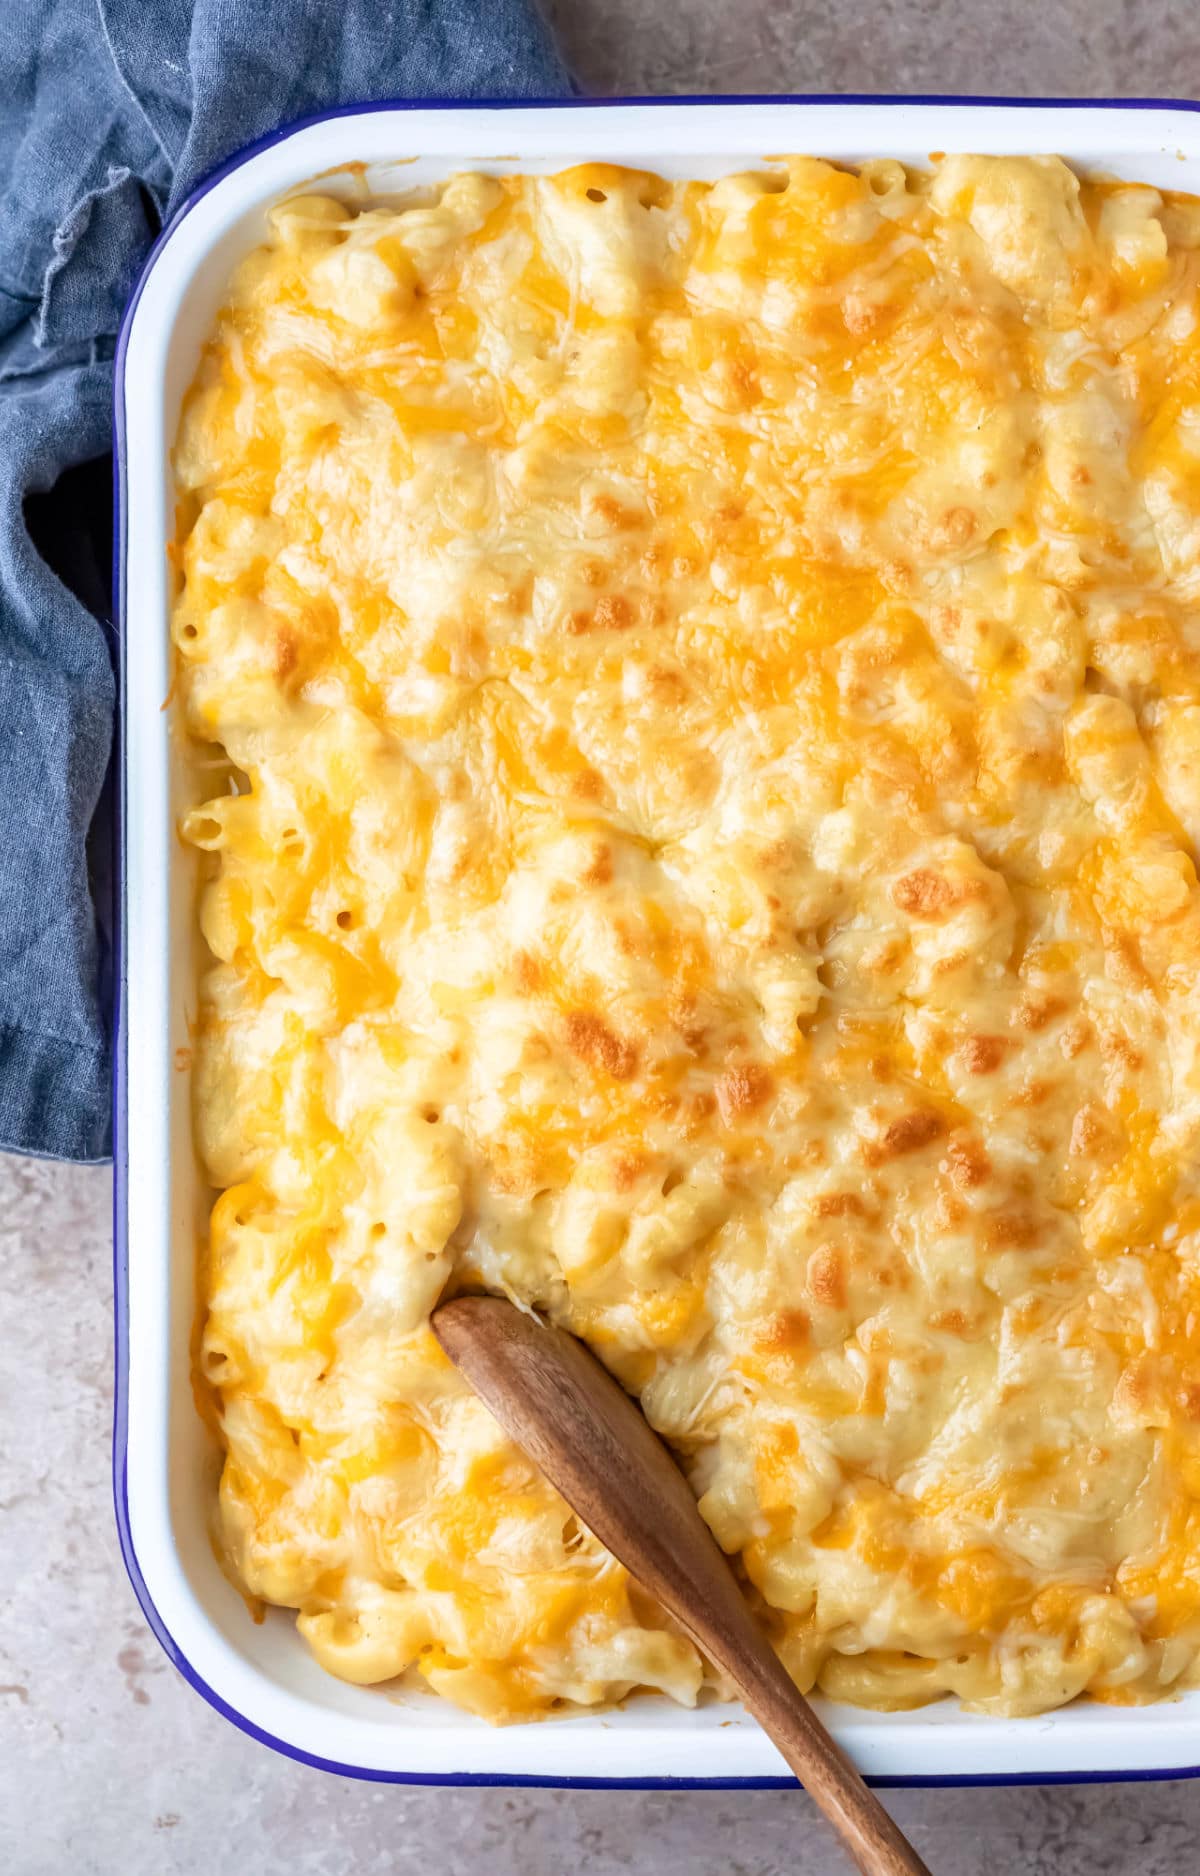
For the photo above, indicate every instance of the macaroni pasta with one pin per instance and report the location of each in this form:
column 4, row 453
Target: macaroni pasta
column 709, row 678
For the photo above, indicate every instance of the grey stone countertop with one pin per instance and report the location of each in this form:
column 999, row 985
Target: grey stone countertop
column 109, row 1764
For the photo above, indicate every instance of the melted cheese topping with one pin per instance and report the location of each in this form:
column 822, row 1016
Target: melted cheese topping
column 710, row 683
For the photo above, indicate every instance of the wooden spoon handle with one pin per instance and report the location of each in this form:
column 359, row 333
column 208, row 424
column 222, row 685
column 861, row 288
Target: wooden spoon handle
column 565, row 1410
column 727, row 1632
column 872, row 1837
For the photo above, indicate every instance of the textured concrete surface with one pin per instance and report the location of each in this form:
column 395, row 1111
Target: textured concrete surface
column 109, row 1765
column 1058, row 48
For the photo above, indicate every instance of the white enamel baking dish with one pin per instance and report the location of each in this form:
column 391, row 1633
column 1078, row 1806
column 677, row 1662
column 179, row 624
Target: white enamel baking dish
column 260, row 1675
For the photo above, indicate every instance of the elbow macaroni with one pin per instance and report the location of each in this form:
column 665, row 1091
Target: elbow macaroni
column 710, row 674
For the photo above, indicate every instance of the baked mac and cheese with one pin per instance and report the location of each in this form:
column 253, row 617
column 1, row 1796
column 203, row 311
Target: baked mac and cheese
column 708, row 679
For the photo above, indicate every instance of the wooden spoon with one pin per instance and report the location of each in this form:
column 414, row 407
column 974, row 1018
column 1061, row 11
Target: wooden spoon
column 590, row 1439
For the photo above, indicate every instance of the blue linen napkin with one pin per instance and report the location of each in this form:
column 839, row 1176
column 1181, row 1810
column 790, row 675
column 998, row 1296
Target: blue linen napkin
column 110, row 113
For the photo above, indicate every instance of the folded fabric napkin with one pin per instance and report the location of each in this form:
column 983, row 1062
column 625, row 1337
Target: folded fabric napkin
column 110, row 113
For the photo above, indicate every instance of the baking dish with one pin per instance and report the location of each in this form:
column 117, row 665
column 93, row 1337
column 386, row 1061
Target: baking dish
column 261, row 1675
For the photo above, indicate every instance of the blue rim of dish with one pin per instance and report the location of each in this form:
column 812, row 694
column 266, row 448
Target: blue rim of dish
column 120, row 1064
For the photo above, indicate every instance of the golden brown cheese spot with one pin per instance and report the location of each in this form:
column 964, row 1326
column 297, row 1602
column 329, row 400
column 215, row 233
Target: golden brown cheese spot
column 1011, row 1231
column 778, row 855
column 929, row 895
column 909, row 1134
column 666, row 685
column 1091, row 1131
column 983, row 1055
column 787, row 1332
column 614, row 512
column 612, row 613
column 898, row 574
column 861, row 316
column 631, row 939
column 954, row 529
column 742, row 1089
column 1139, row 1391
column 590, row 1038
column 588, row 785
column 743, row 392
column 287, row 652
column 1037, row 1009
column 599, row 870
column 530, row 973
column 951, row 1322
column 827, row 1276
column 1126, row 962
column 698, row 1109
column 948, row 1211
column 1117, row 1048
column 628, row 1168
column 884, row 960
column 840, row 1205
column 968, row 1163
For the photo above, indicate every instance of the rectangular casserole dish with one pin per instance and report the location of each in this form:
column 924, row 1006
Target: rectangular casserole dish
column 165, row 1467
